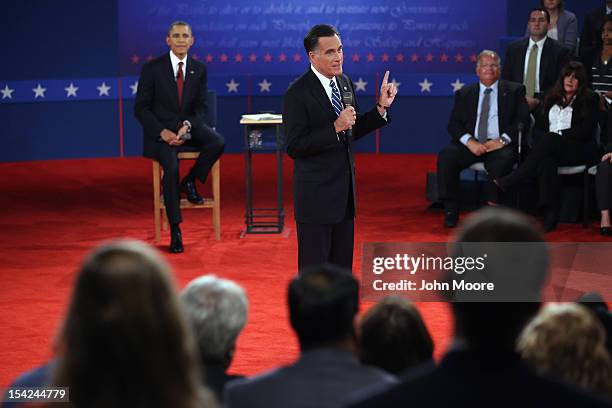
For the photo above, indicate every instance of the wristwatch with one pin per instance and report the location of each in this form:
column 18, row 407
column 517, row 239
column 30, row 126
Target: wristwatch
column 188, row 124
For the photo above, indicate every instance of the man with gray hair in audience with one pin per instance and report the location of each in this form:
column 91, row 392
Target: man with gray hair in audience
column 217, row 309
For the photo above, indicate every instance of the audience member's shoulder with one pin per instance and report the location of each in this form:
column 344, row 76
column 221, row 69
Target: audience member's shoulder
column 468, row 89
column 569, row 15
column 561, row 394
column 511, row 85
column 389, row 390
column 37, row 377
column 519, row 42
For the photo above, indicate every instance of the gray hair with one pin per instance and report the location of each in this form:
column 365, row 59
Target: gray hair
column 488, row 53
column 217, row 309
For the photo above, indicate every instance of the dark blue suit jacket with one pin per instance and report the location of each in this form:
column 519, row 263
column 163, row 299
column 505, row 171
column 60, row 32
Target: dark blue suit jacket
column 321, row 378
column 324, row 169
column 157, row 104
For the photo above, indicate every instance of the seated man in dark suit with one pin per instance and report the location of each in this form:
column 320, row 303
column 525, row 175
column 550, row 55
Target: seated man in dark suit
column 484, row 126
column 323, row 302
column 482, row 368
column 217, row 309
column 171, row 107
column 535, row 61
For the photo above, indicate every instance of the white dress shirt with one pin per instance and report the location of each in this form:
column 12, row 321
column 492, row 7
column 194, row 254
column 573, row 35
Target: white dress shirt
column 560, row 118
column 174, row 60
column 493, row 120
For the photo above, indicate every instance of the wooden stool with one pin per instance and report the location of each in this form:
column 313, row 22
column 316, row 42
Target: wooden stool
column 158, row 200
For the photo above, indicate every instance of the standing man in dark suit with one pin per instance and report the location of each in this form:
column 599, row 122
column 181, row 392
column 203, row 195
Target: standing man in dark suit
column 590, row 37
column 171, row 107
column 537, row 60
column 484, row 127
column 321, row 124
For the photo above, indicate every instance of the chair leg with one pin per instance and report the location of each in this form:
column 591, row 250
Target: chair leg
column 216, row 200
column 156, row 200
column 585, row 200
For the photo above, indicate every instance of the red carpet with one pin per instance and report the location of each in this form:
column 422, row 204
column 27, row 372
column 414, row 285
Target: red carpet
column 54, row 212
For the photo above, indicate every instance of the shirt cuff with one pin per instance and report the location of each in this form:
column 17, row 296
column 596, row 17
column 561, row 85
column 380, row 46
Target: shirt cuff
column 506, row 138
column 464, row 139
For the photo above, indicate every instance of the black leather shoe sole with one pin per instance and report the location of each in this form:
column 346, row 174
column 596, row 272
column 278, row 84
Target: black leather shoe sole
column 605, row 231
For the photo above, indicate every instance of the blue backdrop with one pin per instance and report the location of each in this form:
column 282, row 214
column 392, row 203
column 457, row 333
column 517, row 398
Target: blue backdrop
column 70, row 68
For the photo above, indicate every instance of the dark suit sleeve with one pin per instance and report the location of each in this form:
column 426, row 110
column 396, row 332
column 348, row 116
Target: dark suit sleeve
column 521, row 115
column 571, row 32
column 302, row 139
column 143, row 107
column 508, row 65
column 457, row 122
column 199, row 115
column 584, row 130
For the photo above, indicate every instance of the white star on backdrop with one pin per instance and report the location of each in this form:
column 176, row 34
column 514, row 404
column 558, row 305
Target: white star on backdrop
column 103, row 89
column 264, row 86
column 395, row 83
column 71, row 90
column 457, row 85
column 7, row 92
column 360, row 85
column 425, row 85
column 134, row 87
column 232, row 86
column 39, row 91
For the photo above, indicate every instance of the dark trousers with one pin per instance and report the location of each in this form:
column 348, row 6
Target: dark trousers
column 205, row 140
column 456, row 157
column 550, row 151
column 603, row 185
column 320, row 243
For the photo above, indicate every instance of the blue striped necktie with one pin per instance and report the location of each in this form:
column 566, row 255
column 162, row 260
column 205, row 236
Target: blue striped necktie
column 336, row 101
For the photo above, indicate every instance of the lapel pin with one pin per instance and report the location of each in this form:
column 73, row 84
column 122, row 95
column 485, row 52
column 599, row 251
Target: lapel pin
column 192, row 72
column 345, row 88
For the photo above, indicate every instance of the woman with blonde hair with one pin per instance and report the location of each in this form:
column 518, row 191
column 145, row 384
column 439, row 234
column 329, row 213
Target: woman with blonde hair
column 566, row 341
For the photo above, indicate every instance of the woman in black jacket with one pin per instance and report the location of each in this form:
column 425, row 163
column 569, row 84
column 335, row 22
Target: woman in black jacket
column 564, row 135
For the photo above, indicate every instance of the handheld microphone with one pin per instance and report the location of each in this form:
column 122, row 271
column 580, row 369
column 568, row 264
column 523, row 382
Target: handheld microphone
column 348, row 100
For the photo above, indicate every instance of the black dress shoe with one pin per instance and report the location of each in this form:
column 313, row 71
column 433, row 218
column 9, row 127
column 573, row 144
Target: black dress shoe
column 451, row 218
column 605, row 231
column 176, row 240
column 188, row 187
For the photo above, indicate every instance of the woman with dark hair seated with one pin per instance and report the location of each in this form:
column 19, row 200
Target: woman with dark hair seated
column 598, row 62
column 125, row 341
column 393, row 336
column 564, row 135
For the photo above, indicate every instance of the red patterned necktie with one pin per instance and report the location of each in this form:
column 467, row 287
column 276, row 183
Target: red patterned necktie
column 180, row 81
